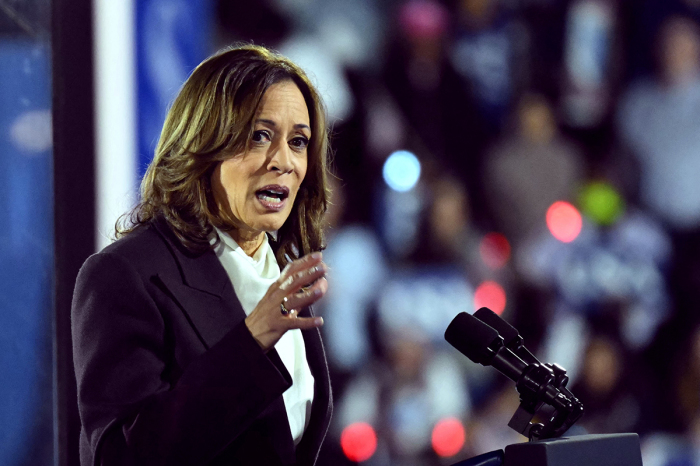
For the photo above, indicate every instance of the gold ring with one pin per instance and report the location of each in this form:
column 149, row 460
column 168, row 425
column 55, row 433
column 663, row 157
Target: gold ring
column 283, row 308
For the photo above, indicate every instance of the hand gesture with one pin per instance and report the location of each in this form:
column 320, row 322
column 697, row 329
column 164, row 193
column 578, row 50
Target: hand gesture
column 301, row 283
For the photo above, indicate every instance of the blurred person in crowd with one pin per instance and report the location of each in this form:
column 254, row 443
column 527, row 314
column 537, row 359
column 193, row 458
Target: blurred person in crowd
column 187, row 335
column 609, row 387
column 426, row 386
column 447, row 236
column 359, row 272
column 449, row 241
column 687, row 383
column 530, row 169
column 678, row 440
column 415, row 69
column 588, row 77
column 659, row 121
column 487, row 52
column 620, row 255
column 644, row 21
column 432, row 97
column 414, row 379
column 416, row 384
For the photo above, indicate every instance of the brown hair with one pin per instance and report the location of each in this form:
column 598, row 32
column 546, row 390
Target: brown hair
column 212, row 119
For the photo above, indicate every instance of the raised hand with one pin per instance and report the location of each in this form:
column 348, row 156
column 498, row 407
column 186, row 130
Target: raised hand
column 301, row 284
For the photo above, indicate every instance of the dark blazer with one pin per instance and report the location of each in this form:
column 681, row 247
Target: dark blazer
column 167, row 371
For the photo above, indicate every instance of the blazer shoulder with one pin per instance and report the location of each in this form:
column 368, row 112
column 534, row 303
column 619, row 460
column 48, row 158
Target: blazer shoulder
column 153, row 249
column 144, row 248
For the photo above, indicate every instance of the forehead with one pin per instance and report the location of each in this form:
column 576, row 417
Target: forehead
column 284, row 100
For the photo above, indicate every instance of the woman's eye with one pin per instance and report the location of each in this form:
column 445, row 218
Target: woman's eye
column 299, row 142
column 261, row 136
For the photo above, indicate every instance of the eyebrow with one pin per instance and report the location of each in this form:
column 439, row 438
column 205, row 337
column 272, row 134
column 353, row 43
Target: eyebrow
column 272, row 123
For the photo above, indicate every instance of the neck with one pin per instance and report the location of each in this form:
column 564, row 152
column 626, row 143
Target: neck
column 248, row 241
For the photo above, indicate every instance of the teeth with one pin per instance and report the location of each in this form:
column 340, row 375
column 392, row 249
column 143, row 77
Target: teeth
column 266, row 192
column 267, row 198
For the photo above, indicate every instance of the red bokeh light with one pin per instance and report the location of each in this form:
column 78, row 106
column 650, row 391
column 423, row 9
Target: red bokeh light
column 495, row 250
column 448, row 437
column 358, row 441
column 492, row 295
column 564, row 221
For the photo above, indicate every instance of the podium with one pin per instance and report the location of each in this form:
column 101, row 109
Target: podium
column 582, row 450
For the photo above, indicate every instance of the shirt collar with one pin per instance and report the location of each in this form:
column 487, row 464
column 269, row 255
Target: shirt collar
column 230, row 244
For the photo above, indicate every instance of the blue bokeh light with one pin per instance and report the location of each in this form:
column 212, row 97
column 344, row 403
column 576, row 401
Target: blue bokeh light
column 401, row 171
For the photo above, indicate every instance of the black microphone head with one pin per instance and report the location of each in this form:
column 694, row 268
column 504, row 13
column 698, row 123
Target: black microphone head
column 473, row 338
column 509, row 333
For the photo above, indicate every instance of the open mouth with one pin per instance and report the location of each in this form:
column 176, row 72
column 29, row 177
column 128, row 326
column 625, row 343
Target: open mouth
column 272, row 195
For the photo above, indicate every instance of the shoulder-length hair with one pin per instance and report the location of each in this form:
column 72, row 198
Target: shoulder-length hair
column 211, row 119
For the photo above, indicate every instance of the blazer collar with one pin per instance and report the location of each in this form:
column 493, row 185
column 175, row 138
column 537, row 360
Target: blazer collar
column 201, row 287
column 201, row 271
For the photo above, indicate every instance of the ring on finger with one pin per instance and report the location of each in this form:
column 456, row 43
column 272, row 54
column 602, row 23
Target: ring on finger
column 283, row 308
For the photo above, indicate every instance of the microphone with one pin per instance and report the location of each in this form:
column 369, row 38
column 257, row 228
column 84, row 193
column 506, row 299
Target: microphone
column 513, row 341
column 483, row 345
column 511, row 337
column 487, row 339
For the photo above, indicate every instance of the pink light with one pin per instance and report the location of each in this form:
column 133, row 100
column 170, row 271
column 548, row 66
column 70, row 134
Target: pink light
column 358, row 441
column 564, row 221
column 448, row 437
column 492, row 295
column 425, row 19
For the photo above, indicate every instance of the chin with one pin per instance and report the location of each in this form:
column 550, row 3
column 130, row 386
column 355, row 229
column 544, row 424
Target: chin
column 274, row 225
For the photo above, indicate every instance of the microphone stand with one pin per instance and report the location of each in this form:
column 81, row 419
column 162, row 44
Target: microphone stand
column 543, row 386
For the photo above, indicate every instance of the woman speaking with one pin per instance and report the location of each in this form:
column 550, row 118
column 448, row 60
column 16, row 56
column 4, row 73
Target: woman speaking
column 193, row 338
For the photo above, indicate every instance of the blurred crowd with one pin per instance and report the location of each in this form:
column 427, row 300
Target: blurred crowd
column 556, row 152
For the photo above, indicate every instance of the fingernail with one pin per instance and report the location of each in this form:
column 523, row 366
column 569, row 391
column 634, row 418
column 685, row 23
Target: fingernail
column 318, row 321
column 316, row 255
column 317, row 292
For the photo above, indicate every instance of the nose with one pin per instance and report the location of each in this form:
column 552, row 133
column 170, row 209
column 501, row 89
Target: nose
column 281, row 160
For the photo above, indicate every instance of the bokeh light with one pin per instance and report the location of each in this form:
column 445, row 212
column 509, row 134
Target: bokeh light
column 564, row 221
column 358, row 441
column 492, row 295
column 401, row 171
column 448, row 437
column 494, row 250
column 601, row 202
column 425, row 20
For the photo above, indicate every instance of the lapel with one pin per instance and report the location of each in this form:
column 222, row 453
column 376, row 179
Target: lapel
column 322, row 407
column 202, row 288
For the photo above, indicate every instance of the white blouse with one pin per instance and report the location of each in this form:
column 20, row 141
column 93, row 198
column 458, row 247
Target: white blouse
column 251, row 277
